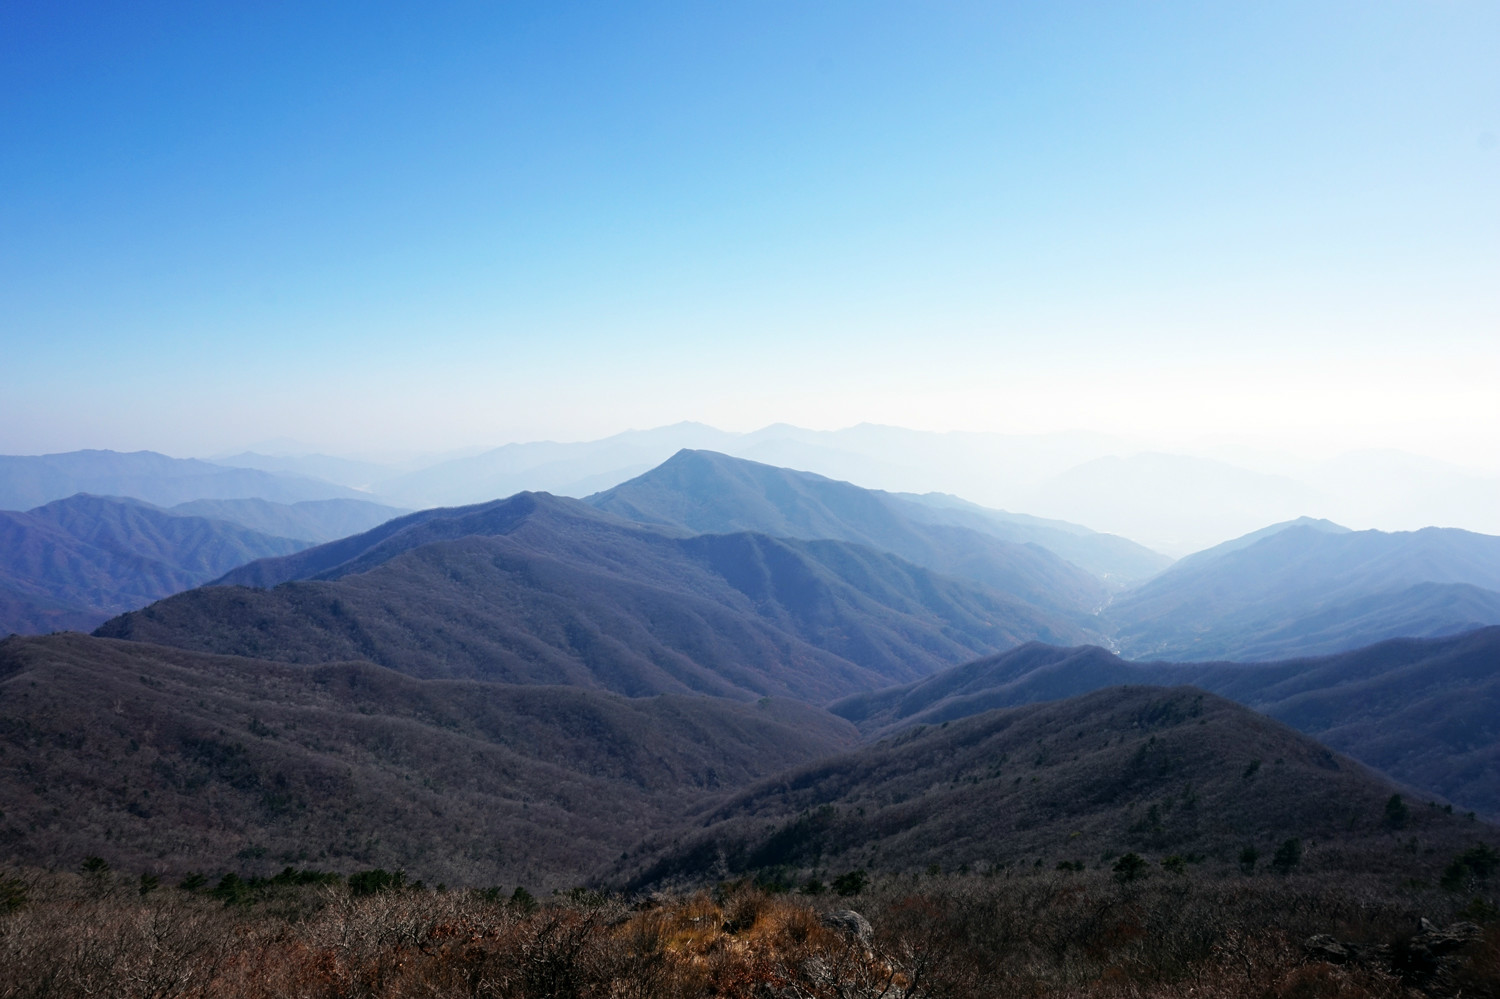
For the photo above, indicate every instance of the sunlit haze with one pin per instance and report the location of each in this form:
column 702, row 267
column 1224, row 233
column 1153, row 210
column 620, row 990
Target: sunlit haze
column 377, row 228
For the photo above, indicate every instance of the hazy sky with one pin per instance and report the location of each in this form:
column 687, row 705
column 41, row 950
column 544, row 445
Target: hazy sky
column 412, row 225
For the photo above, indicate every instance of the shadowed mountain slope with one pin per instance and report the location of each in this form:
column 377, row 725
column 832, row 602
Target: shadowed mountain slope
column 74, row 562
column 29, row 614
column 31, row 480
column 166, row 760
column 709, row 493
column 314, row 521
column 574, row 525
column 1158, row 771
column 1427, row 712
column 537, row 589
column 1309, row 588
column 1030, row 674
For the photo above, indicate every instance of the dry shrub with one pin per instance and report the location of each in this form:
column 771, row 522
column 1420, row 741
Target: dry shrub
column 1326, row 981
column 1479, row 972
column 79, row 946
column 1041, row 934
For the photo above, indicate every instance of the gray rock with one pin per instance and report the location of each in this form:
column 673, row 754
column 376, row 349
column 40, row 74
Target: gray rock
column 850, row 922
column 1441, row 940
column 1324, row 947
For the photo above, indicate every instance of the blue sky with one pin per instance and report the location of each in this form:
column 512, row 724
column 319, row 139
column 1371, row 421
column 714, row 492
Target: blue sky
column 372, row 224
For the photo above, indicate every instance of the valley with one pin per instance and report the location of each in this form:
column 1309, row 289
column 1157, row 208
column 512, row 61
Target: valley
column 726, row 673
column 852, row 500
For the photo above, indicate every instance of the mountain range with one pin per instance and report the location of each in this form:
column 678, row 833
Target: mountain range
column 162, row 759
column 31, row 480
column 1162, row 771
column 721, row 667
column 709, row 493
column 541, row 589
column 1307, row 587
column 314, row 521
column 1424, row 711
column 1301, row 587
column 73, row 563
column 168, row 760
column 1175, row 502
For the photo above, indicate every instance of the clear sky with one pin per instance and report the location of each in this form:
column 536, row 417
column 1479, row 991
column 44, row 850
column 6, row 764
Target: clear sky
column 433, row 225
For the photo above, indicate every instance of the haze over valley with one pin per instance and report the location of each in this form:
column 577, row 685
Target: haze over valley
column 765, row 501
column 721, row 670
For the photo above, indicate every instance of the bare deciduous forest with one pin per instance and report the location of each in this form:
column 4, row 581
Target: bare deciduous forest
column 1120, row 933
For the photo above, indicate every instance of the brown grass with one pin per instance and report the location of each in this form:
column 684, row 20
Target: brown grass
column 1044, row 934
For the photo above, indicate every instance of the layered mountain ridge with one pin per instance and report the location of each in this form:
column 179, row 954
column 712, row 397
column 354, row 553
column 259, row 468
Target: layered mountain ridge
column 1311, row 587
column 170, row 760
column 1162, row 771
column 537, row 636
column 541, row 589
column 1423, row 711
column 710, row 493
column 72, row 563
column 27, row 481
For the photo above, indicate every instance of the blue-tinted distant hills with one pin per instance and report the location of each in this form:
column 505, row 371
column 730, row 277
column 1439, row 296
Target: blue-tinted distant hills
column 1309, row 587
column 1425, row 711
column 707, row 492
column 1173, row 502
column 28, row 481
column 315, row 521
column 543, row 589
column 1246, row 540
column 1118, row 561
column 567, row 469
column 72, row 563
column 1301, row 587
column 350, row 472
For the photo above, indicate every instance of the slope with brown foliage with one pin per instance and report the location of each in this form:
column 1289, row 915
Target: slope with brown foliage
column 1424, row 711
column 160, row 759
column 1034, row 935
column 1161, row 772
column 536, row 589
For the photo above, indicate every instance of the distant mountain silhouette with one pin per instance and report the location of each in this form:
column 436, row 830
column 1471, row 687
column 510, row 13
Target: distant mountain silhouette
column 1156, row 771
column 538, row 589
column 569, row 469
column 1423, row 711
column 73, row 563
column 1118, row 561
column 1246, row 540
column 349, row 472
column 1175, row 503
column 1310, row 587
column 162, row 759
column 315, row 521
column 32, row 480
column 709, row 493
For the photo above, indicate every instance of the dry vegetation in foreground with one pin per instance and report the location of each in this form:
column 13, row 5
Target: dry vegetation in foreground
column 1035, row 934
